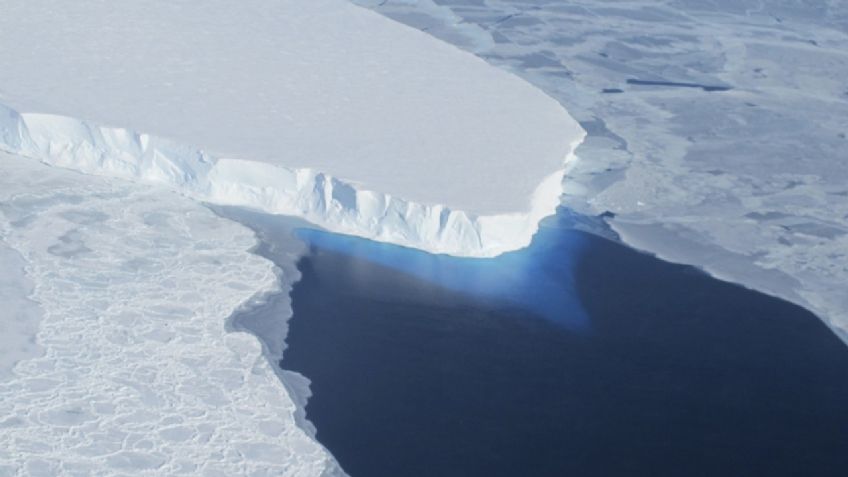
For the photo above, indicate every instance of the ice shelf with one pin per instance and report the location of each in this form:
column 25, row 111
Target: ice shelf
column 320, row 109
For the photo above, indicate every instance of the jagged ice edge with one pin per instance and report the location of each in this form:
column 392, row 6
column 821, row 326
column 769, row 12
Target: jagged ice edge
column 319, row 198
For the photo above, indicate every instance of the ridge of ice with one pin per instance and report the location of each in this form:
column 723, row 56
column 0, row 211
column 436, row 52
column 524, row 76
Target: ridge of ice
column 320, row 198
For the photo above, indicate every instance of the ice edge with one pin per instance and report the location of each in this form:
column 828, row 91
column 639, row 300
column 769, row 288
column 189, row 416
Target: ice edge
column 319, row 198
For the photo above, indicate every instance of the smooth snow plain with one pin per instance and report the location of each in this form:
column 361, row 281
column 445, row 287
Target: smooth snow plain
column 320, row 109
column 749, row 183
column 138, row 371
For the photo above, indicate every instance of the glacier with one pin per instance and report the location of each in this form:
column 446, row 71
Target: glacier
column 320, row 109
column 320, row 198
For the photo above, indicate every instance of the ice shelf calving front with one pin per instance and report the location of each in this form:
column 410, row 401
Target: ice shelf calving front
column 319, row 109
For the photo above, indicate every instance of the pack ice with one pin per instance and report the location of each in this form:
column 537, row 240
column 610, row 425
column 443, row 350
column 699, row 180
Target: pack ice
column 319, row 109
column 136, row 371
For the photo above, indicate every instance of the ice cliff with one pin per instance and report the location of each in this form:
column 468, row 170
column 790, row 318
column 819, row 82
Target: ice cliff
column 320, row 198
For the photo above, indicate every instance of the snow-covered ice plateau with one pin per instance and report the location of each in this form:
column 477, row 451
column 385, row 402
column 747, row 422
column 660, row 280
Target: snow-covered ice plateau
column 138, row 371
column 320, row 109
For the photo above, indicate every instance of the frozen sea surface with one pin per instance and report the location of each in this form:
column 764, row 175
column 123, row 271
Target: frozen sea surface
column 748, row 183
column 139, row 373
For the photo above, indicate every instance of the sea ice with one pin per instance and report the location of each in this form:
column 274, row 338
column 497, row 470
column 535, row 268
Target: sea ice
column 140, row 373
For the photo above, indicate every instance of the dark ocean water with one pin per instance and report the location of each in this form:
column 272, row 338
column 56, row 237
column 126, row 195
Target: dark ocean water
column 575, row 357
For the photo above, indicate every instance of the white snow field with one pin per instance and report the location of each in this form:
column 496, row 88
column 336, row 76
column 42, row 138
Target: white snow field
column 749, row 183
column 138, row 373
column 320, row 109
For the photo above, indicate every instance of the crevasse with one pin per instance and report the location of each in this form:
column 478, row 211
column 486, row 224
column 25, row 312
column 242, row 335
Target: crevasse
column 319, row 198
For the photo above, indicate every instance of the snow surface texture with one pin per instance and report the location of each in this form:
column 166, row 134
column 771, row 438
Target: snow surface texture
column 750, row 183
column 358, row 123
column 139, row 375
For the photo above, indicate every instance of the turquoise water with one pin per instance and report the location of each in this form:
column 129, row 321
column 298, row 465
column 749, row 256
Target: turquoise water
column 528, row 280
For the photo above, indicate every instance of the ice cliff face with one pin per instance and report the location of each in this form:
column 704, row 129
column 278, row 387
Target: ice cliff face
column 320, row 198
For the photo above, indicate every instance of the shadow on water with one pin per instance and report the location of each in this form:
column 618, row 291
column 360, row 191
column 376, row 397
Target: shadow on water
column 433, row 366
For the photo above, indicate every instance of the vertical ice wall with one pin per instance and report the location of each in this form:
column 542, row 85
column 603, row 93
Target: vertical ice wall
column 320, row 198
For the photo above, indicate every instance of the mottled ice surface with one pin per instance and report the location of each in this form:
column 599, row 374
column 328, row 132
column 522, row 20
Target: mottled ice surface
column 138, row 373
column 740, row 167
